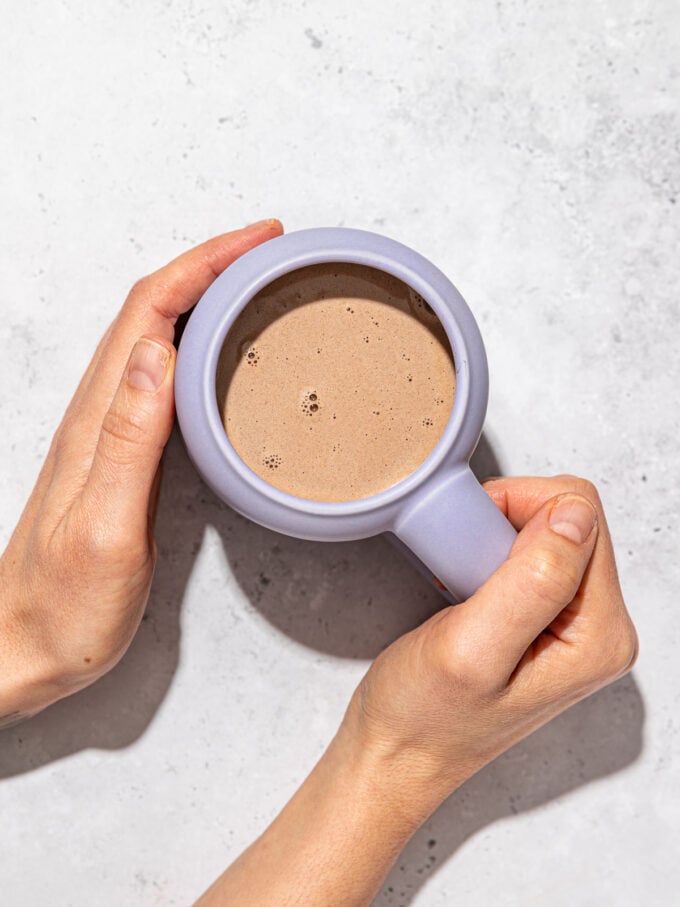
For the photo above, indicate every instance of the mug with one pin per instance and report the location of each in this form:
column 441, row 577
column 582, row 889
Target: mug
column 439, row 515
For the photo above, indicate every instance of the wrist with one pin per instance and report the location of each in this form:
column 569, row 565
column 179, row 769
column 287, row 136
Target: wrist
column 360, row 782
column 398, row 789
column 30, row 679
column 410, row 775
column 22, row 690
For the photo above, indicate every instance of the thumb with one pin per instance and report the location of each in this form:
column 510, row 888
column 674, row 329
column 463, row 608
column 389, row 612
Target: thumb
column 134, row 432
column 541, row 576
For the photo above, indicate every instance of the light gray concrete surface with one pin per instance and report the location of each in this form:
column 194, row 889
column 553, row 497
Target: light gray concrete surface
column 531, row 149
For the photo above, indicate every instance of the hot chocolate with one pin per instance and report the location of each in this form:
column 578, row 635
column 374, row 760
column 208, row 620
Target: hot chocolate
column 335, row 382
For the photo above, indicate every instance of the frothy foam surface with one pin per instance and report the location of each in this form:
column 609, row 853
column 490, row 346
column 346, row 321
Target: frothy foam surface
column 335, row 382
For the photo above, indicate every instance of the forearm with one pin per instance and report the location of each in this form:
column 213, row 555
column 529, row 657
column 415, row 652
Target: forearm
column 333, row 843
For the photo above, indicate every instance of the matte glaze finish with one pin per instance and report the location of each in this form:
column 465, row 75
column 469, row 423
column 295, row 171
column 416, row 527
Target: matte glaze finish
column 440, row 511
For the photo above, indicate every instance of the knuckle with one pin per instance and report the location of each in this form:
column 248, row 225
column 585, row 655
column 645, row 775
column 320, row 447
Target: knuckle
column 460, row 660
column 571, row 484
column 124, row 432
column 103, row 544
column 619, row 652
column 92, row 536
column 59, row 445
column 61, row 439
column 551, row 576
column 140, row 288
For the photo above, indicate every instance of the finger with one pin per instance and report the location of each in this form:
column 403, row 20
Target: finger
column 155, row 302
column 178, row 286
column 541, row 577
column 152, row 307
column 118, row 492
column 521, row 497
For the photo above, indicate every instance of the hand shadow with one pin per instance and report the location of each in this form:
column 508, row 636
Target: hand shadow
column 595, row 738
column 340, row 599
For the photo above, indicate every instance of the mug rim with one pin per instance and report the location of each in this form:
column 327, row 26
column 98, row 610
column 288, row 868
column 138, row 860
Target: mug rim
column 258, row 268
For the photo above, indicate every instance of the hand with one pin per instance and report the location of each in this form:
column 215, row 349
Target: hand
column 76, row 574
column 547, row 629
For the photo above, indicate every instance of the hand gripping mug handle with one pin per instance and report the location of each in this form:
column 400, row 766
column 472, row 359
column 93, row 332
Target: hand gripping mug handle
column 456, row 531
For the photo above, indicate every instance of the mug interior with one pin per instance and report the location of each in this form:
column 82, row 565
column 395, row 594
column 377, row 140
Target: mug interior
column 335, row 382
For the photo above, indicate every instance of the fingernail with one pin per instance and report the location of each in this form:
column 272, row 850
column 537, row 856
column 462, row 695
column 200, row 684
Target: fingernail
column 148, row 363
column 574, row 518
column 271, row 222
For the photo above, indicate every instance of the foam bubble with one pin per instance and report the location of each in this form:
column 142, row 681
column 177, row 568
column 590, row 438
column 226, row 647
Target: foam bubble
column 419, row 306
column 252, row 355
column 272, row 461
column 310, row 404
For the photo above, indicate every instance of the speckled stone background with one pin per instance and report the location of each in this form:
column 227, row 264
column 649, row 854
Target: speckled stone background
column 530, row 149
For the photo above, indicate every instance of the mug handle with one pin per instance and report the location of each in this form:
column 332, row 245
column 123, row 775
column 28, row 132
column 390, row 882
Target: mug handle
column 456, row 531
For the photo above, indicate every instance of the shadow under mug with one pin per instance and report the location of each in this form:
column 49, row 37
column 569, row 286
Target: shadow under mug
column 439, row 515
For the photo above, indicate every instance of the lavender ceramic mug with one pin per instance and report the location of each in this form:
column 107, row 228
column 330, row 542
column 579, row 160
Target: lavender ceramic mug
column 439, row 515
